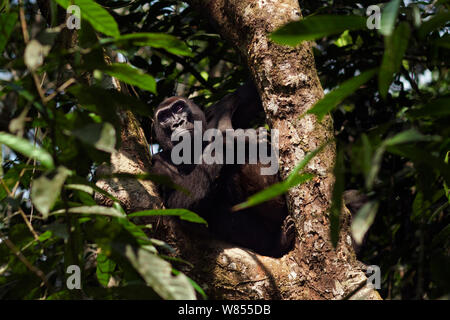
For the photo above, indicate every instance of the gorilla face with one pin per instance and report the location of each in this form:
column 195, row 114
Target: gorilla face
column 176, row 115
column 176, row 118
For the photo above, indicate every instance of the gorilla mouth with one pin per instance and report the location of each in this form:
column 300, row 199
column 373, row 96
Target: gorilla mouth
column 181, row 131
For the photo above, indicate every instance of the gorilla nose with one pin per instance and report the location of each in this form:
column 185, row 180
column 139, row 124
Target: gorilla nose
column 179, row 122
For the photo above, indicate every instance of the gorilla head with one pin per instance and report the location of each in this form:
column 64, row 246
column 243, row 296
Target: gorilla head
column 176, row 115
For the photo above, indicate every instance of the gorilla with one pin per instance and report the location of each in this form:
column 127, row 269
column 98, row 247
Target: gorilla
column 215, row 188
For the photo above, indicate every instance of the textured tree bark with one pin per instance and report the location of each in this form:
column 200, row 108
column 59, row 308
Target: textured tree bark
column 288, row 85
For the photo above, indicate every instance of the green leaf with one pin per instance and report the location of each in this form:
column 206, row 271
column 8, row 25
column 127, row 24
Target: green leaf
column 100, row 135
column 333, row 98
column 80, row 187
column 444, row 41
column 277, row 189
column 184, row 214
column 305, row 161
column 157, row 273
column 394, row 48
column 156, row 40
column 46, row 189
column 88, row 187
column 95, row 14
column 336, row 199
column 273, row 191
column 105, row 268
column 103, row 99
column 7, row 23
column 344, row 39
column 367, row 154
column 436, row 22
column 45, row 236
column 100, row 210
column 420, row 156
column 194, row 284
column 446, row 188
column 409, row 136
column 37, row 49
column 27, row 148
column 363, row 220
column 315, row 27
column 388, row 17
column 132, row 76
column 436, row 108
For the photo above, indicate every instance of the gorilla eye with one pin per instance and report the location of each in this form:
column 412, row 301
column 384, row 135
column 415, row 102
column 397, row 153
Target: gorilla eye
column 164, row 115
column 178, row 106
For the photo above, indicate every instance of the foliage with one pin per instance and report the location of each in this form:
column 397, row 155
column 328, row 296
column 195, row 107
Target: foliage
column 387, row 90
column 58, row 128
column 393, row 130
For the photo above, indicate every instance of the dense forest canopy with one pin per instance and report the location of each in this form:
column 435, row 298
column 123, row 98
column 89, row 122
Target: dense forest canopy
column 387, row 90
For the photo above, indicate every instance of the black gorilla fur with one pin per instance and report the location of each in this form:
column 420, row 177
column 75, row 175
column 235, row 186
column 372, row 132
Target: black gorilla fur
column 215, row 188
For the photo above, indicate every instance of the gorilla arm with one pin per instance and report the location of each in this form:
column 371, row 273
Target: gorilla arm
column 199, row 182
column 236, row 110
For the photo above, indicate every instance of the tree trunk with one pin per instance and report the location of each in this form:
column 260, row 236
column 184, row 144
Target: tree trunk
column 288, row 85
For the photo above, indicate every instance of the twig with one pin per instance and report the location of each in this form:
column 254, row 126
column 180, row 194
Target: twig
column 24, row 216
column 26, row 39
column 411, row 82
column 23, row 23
column 64, row 86
column 38, row 272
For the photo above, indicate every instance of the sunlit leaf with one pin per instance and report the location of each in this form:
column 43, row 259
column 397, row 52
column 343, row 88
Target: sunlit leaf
column 344, row 39
column 274, row 191
column 363, row 220
column 277, row 189
column 97, row 16
column 105, row 268
column 37, row 49
column 46, row 189
column 26, row 148
column 388, row 17
column 132, row 76
column 194, row 284
column 333, row 98
column 409, row 136
column 156, row 40
column 96, row 210
column 102, row 136
column 184, row 214
column 394, row 48
column 315, row 27
column 157, row 273
column 88, row 187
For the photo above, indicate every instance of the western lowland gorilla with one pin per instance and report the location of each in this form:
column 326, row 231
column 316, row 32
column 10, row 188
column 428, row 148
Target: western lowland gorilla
column 215, row 188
